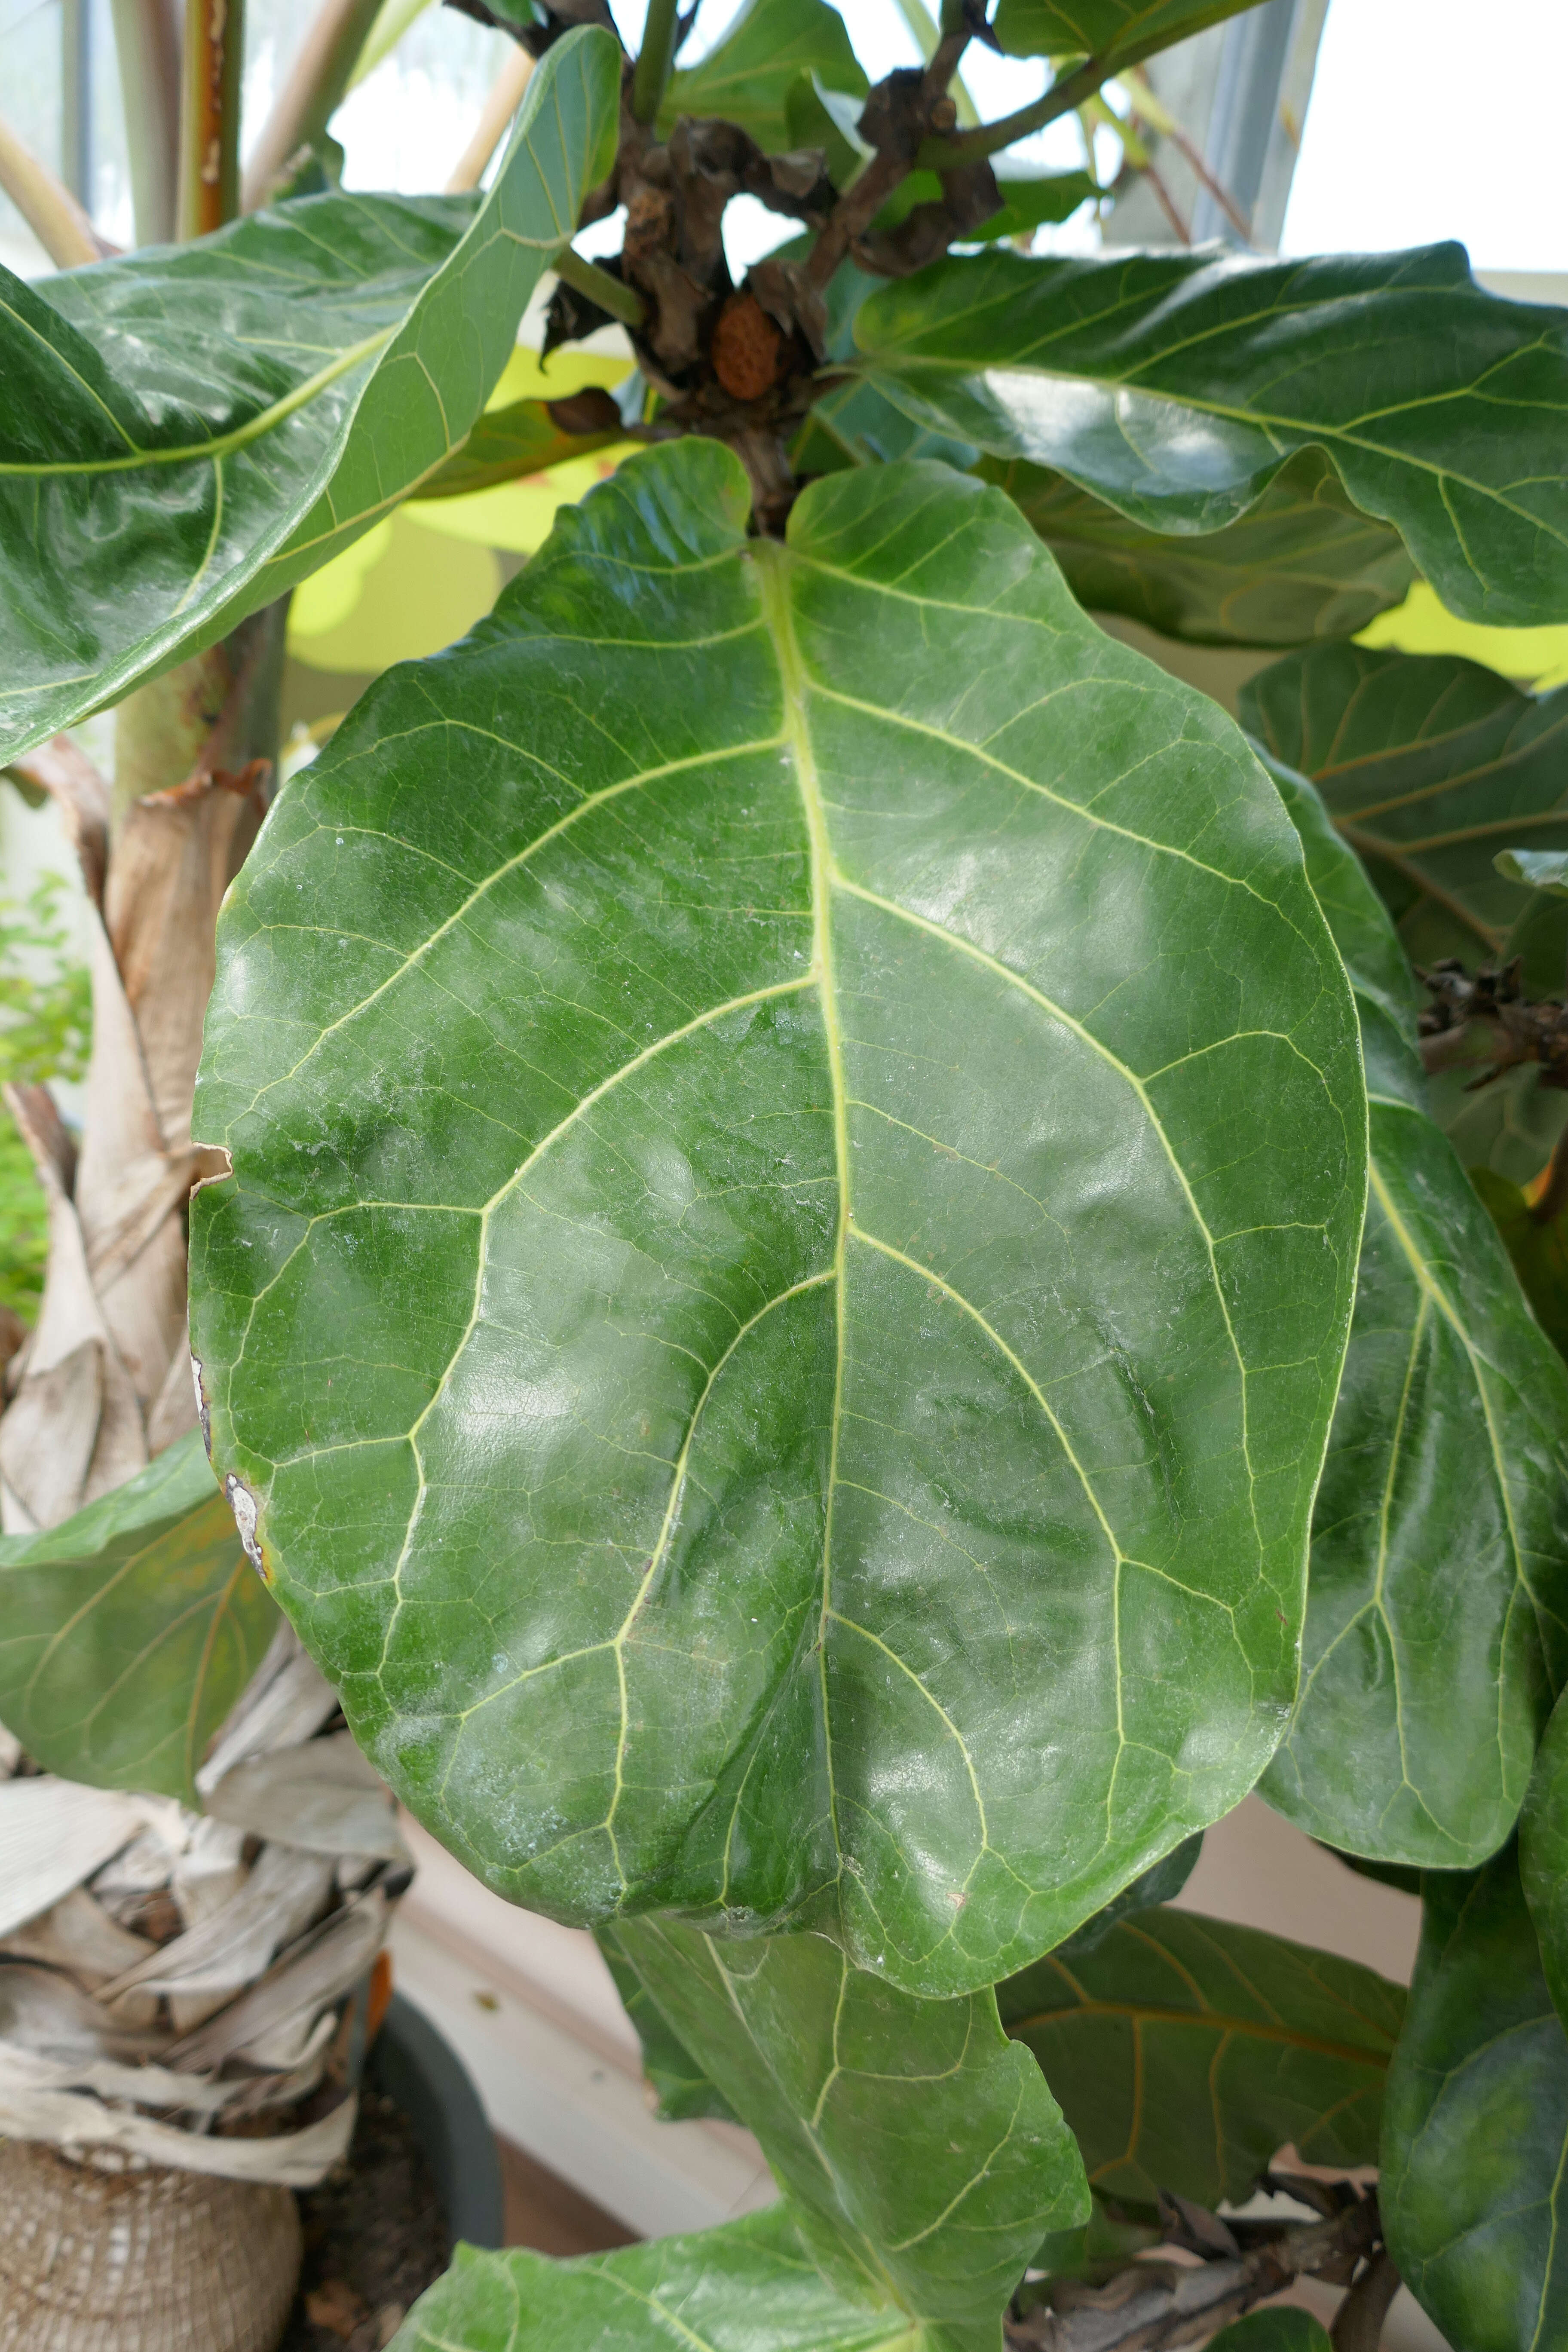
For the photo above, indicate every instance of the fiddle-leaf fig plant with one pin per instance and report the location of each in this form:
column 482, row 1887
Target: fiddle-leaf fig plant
column 825, row 1280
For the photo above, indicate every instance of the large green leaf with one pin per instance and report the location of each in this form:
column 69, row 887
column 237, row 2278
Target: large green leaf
column 1430, row 766
column 1187, row 2051
column 1176, row 385
column 127, row 1634
column 189, row 431
column 1161, row 1884
column 1301, row 563
column 1543, row 1854
column 1118, row 32
column 920, row 2148
column 794, row 1225
column 1438, row 1596
column 681, row 2085
column 1474, row 2165
column 747, row 2287
column 746, row 77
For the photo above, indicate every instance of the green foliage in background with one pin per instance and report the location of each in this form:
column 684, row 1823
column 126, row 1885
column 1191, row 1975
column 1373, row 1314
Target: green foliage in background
column 46, row 1019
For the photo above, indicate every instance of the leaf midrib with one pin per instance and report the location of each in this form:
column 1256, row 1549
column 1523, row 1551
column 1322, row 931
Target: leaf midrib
column 223, row 444
column 780, row 616
column 1212, row 2020
column 1261, row 421
column 826, row 880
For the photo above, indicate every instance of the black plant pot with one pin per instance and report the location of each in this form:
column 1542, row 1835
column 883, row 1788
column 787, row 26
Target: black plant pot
column 420, row 2073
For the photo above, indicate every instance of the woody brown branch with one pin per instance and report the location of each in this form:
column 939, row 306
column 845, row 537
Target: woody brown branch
column 1522, row 1029
column 900, row 114
column 1155, row 2305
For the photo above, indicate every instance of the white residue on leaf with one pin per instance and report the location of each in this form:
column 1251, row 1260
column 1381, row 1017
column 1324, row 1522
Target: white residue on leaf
column 243, row 1504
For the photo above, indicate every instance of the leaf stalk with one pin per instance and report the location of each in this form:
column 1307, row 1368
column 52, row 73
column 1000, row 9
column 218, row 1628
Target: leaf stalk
column 974, row 146
column 864, row 198
column 654, row 60
column 622, row 301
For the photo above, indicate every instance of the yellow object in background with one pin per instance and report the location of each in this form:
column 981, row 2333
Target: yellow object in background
column 520, row 516
column 422, row 578
column 527, row 377
column 331, row 594
column 1534, row 657
column 396, row 595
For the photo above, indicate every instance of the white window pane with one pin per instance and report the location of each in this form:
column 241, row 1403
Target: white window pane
column 1414, row 134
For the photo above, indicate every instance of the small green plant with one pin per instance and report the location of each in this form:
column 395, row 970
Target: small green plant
column 839, row 1297
column 45, row 1017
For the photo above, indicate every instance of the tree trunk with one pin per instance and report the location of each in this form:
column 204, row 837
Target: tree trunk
column 105, row 2252
column 103, row 1382
column 94, row 2259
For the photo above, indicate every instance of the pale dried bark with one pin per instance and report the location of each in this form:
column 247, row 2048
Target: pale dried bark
column 103, row 1383
column 175, row 1987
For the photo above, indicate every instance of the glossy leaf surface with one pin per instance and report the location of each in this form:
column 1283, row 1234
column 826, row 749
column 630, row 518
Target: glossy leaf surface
column 681, row 2085
column 1300, row 564
column 1430, row 766
column 746, row 79
column 127, row 1633
column 189, row 431
column 1161, row 1884
column 1543, row 1854
column 1437, row 1594
column 1474, row 2164
column 1176, row 387
column 921, row 2150
column 768, row 1377
column 1186, row 2051
column 747, row 2287
column 1118, row 32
